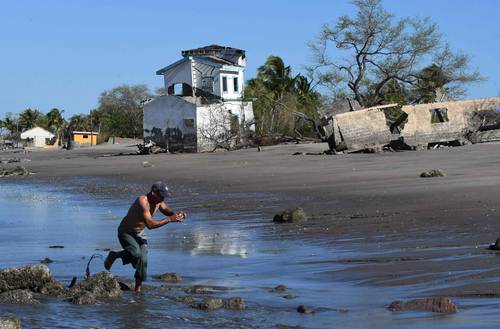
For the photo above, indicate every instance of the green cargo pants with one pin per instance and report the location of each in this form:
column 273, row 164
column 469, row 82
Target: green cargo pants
column 135, row 252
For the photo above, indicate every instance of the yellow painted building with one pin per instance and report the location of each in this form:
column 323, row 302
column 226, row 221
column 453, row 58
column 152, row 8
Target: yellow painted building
column 85, row 137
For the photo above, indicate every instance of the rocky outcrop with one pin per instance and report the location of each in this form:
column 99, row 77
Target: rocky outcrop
column 17, row 171
column 168, row 277
column 290, row 216
column 234, row 303
column 433, row 173
column 305, row 310
column 209, row 304
column 435, row 304
column 32, row 277
column 9, row 322
column 278, row 288
column 18, row 296
column 99, row 286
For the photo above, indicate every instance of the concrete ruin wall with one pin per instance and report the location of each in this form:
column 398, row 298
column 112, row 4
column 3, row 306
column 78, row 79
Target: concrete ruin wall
column 420, row 129
column 363, row 129
column 170, row 122
column 425, row 123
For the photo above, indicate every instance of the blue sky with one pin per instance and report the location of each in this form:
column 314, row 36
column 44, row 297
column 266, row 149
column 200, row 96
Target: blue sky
column 65, row 53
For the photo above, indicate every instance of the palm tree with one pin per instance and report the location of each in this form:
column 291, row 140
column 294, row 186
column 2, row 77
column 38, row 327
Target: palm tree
column 9, row 123
column 29, row 118
column 56, row 122
column 79, row 122
column 276, row 78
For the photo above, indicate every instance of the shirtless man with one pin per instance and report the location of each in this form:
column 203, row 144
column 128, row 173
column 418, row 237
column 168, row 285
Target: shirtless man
column 131, row 230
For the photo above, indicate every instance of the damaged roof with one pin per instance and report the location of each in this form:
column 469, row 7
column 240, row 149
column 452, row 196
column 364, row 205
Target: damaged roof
column 211, row 50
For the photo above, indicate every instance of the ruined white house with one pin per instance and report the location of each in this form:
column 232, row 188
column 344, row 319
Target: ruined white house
column 203, row 107
column 37, row 137
column 414, row 126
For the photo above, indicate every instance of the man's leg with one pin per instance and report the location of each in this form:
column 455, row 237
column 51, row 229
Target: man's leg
column 131, row 251
column 141, row 265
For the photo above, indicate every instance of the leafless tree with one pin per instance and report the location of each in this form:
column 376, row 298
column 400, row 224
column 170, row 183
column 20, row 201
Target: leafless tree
column 360, row 56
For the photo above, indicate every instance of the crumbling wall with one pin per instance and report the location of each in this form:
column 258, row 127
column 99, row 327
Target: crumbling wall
column 443, row 122
column 359, row 130
column 170, row 122
column 416, row 126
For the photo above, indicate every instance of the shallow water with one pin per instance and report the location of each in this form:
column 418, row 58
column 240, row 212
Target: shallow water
column 242, row 253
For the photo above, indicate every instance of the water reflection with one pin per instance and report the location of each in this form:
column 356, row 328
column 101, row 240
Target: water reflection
column 229, row 243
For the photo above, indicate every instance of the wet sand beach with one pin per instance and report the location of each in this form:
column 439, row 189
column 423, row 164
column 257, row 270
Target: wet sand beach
column 375, row 232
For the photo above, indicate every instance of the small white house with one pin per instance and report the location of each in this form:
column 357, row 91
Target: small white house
column 37, row 137
column 203, row 105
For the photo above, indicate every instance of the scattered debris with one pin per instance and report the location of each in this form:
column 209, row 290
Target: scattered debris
column 146, row 164
column 12, row 160
column 17, row 171
column 73, row 282
column 433, row 173
column 305, row 310
column 435, row 304
column 46, row 260
column 289, row 296
column 150, row 148
column 168, row 277
column 496, row 245
column 87, row 269
column 124, row 286
column 290, row 216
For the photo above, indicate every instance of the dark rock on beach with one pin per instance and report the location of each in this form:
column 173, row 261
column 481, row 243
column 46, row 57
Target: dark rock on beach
column 32, row 277
column 290, row 216
column 234, row 303
column 196, row 290
column 99, row 286
column 433, row 173
column 18, row 296
column 46, row 260
column 53, row 288
column 9, row 322
column 168, row 277
column 208, row 304
column 305, row 310
column 435, row 304
column 278, row 288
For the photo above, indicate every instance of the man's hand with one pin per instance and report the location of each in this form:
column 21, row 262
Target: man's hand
column 179, row 217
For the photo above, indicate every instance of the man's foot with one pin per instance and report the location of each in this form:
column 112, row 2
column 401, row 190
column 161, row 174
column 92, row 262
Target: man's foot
column 108, row 262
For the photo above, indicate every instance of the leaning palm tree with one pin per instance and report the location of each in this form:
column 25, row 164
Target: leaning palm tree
column 56, row 123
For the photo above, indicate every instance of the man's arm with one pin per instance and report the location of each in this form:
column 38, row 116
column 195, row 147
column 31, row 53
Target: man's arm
column 164, row 209
column 150, row 222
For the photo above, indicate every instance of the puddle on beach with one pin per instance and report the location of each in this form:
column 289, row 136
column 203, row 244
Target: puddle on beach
column 236, row 251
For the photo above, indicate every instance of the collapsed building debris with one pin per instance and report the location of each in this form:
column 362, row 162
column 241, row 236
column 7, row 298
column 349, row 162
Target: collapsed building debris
column 414, row 127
